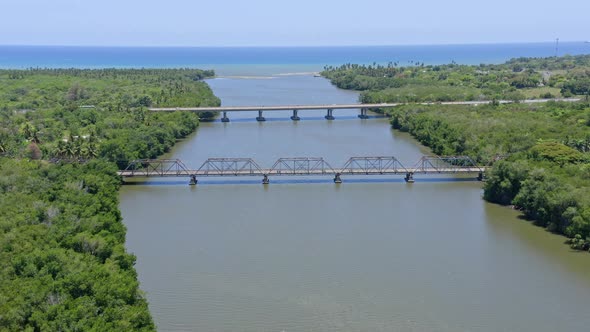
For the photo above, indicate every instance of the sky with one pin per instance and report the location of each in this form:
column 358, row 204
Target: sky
column 290, row 23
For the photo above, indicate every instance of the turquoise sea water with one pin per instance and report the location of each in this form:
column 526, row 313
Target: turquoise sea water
column 256, row 61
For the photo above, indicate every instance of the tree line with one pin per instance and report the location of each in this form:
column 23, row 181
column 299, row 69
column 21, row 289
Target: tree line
column 514, row 80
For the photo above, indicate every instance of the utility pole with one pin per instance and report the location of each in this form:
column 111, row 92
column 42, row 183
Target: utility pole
column 556, row 46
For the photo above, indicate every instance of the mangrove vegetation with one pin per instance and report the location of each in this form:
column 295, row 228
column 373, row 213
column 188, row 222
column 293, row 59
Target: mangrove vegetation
column 63, row 135
column 539, row 153
column 517, row 79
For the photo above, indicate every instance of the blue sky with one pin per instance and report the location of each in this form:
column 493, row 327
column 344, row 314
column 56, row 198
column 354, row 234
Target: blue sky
column 289, row 23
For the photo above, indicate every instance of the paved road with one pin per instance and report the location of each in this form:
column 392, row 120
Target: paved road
column 340, row 106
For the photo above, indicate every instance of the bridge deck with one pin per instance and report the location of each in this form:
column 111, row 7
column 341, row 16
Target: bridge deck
column 271, row 172
column 272, row 108
column 338, row 106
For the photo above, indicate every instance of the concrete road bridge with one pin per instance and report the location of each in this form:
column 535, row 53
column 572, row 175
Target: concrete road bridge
column 329, row 109
column 303, row 166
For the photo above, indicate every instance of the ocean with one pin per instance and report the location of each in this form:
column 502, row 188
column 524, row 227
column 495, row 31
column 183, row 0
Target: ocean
column 261, row 61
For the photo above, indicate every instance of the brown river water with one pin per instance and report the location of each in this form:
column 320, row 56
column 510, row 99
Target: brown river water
column 370, row 254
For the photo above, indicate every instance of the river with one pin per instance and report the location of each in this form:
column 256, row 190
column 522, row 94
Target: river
column 365, row 255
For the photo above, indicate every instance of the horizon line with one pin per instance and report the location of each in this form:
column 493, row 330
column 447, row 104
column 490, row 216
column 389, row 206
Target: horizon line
column 291, row 46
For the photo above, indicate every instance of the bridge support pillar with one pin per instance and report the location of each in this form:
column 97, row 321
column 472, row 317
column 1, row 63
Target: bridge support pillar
column 409, row 177
column 337, row 178
column 480, row 176
column 224, row 118
column 363, row 114
column 329, row 116
column 193, row 181
column 265, row 179
column 260, row 117
column 295, row 117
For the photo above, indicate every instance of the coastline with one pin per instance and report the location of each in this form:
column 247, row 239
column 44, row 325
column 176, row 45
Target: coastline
column 256, row 61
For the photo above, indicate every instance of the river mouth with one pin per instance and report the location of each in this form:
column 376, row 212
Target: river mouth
column 377, row 254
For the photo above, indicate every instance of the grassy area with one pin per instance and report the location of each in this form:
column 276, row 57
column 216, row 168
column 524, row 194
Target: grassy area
column 417, row 93
column 541, row 92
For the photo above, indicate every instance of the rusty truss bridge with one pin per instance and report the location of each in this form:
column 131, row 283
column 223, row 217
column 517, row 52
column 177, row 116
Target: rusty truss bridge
column 303, row 166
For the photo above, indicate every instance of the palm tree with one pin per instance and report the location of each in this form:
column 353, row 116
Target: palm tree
column 30, row 132
column 70, row 148
column 61, row 149
column 92, row 150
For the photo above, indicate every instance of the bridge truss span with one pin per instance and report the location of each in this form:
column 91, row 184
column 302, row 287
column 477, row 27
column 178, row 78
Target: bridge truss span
column 156, row 168
column 301, row 166
column 373, row 166
column 446, row 165
column 304, row 166
column 229, row 166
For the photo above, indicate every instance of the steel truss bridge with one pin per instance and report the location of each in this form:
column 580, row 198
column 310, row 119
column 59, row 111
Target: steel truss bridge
column 303, row 166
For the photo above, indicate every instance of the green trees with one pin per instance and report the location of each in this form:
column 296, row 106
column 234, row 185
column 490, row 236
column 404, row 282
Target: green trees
column 63, row 264
column 504, row 181
column 577, row 87
column 98, row 113
column 555, row 152
column 547, row 173
column 515, row 80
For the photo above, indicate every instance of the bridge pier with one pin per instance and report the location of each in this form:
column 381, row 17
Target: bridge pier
column 337, row 178
column 193, row 180
column 363, row 114
column 409, row 177
column 480, row 176
column 224, row 118
column 265, row 179
column 260, row 117
column 295, row 117
column 329, row 116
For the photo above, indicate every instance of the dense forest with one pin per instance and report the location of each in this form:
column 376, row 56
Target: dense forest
column 517, row 79
column 540, row 153
column 63, row 134
column 81, row 114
